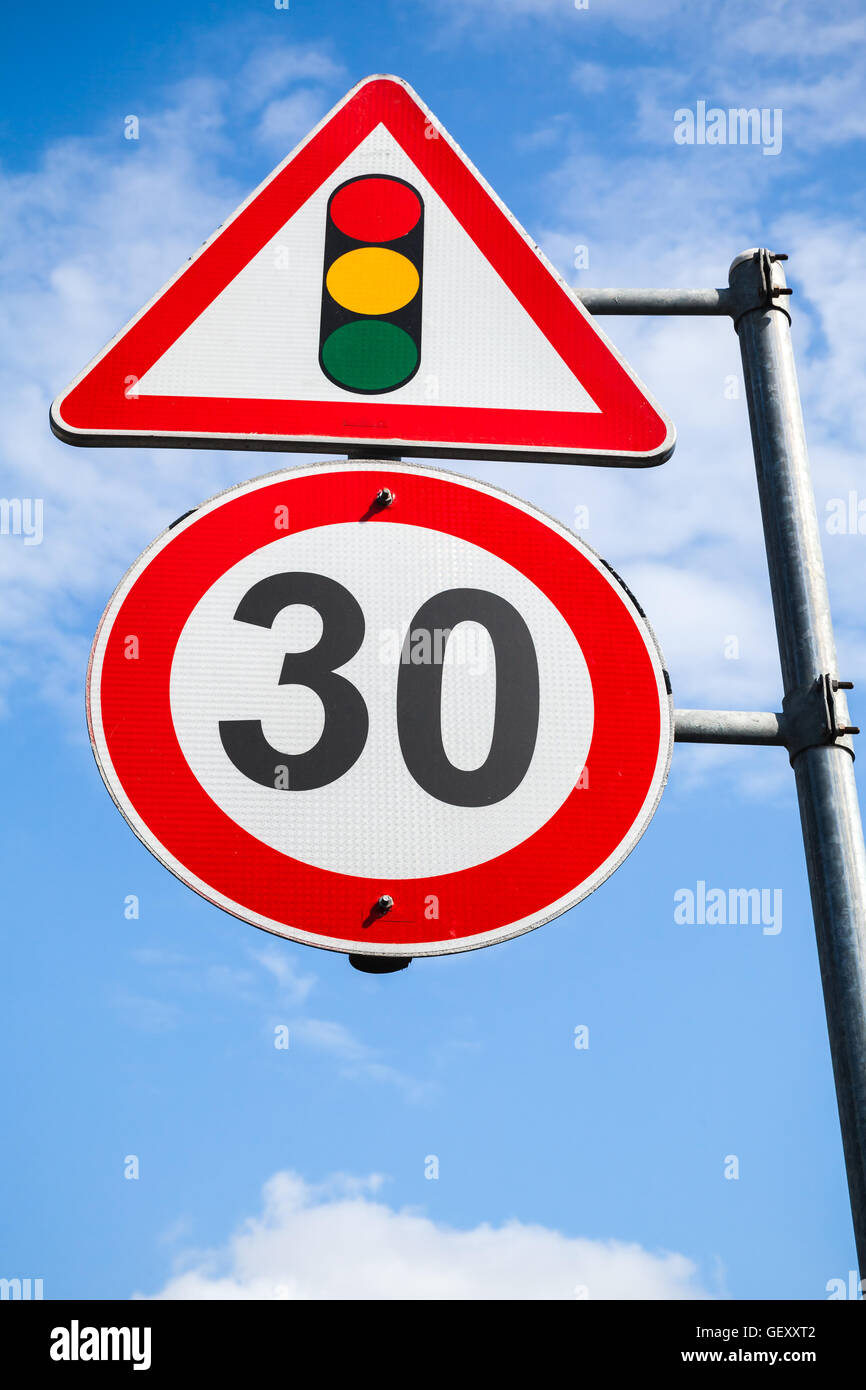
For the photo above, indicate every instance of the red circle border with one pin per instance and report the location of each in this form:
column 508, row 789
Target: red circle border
column 295, row 898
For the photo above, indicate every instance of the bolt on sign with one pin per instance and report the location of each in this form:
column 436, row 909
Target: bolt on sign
column 380, row 708
column 373, row 293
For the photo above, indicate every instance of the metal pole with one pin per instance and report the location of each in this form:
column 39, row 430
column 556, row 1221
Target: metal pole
column 823, row 763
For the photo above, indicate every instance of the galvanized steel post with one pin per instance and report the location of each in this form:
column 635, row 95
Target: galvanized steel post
column 823, row 759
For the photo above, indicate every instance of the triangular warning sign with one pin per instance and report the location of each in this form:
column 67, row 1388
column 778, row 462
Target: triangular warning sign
column 372, row 293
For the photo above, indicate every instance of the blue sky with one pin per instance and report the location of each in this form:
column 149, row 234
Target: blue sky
column 302, row 1172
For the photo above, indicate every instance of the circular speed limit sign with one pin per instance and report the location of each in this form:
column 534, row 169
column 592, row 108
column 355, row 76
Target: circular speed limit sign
column 380, row 708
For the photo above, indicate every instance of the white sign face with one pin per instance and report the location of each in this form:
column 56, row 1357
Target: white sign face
column 392, row 571
column 479, row 343
column 309, row 703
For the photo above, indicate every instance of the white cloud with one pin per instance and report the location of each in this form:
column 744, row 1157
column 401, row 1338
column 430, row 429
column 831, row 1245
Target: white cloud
column 624, row 13
column 786, row 30
column 294, row 985
column 543, row 136
column 728, row 55
column 517, row 9
column 357, row 1060
column 592, row 78
column 338, row 1241
column 270, row 69
column 147, row 1014
column 777, row 29
column 280, row 1004
column 287, row 120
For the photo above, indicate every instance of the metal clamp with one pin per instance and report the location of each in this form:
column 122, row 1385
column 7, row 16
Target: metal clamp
column 811, row 717
column 758, row 290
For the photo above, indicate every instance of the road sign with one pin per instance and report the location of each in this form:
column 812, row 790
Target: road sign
column 380, row 708
column 373, row 291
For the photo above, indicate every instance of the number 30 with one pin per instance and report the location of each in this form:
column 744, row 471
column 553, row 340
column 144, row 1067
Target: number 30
column 419, row 693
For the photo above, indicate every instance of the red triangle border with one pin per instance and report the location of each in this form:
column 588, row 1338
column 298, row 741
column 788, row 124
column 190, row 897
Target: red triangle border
column 627, row 429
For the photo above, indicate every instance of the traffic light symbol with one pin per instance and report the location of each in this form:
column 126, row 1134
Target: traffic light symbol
column 370, row 333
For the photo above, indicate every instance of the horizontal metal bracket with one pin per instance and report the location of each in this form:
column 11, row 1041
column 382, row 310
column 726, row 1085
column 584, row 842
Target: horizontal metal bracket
column 728, row 726
column 760, row 290
column 812, row 718
column 714, row 303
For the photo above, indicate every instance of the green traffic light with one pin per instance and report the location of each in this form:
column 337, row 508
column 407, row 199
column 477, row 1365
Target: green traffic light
column 370, row 355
